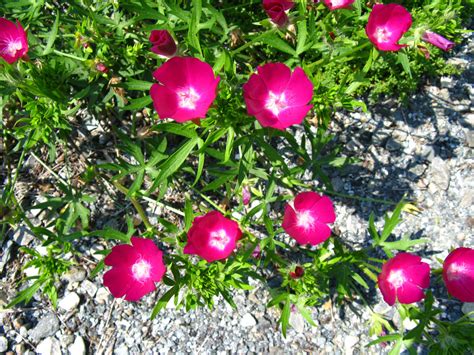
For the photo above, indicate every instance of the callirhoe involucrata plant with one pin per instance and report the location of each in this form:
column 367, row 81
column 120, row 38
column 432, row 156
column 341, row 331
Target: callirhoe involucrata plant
column 219, row 115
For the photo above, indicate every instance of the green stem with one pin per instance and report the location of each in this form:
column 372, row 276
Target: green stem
column 136, row 204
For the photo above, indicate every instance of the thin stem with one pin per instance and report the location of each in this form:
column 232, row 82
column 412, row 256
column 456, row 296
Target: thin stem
column 136, row 204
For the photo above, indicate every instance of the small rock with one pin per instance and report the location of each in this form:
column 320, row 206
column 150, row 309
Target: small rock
column 69, row 302
column 78, row 347
column 49, row 346
column 19, row 349
column 248, row 321
column 75, row 275
column 440, row 174
column 297, row 322
column 447, row 82
column 89, row 287
column 122, row 350
column 102, row 295
column 47, row 326
column 468, row 307
column 470, row 138
column 349, row 343
column 22, row 235
column 393, row 145
column 3, row 344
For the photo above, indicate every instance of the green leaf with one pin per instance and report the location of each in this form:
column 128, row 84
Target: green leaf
column 360, row 280
column 403, row 244
column 193, row 32
column 188, row 214
column 139, row 85
column 52, row 36
column 302, row 35
column 26, row 294
column 306, row 314
column 138, row 104
column 229, row 144
column 404, row 61
column 175, row 160
column 285, row 317
column 276, row 42
column 385, row 338
column 201, row 160
column 163, row 301
column 392, row 221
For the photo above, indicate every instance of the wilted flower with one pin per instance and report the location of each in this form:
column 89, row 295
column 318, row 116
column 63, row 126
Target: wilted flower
column 306, row 220
column 186, row 89
column 135, row 269
column 277, row 97
column 297, row 273
column 212, row 236
column 257, row 252
column 276, row 10
column 101, row 67
column 458, row 274
column 437, row 40
column 403, row 278
column 386, row 25
column 338, row 4
column 163, row 43
column 246, row 195
column 13, row 41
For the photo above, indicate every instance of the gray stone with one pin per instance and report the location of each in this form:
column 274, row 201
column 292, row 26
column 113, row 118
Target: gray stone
column 440, row 174
column 447, row 82
column 69, row 302
column 297, row 322
column 47, row 326
column 102, row 295
column 75, row 275
column 22, row 235
column 78, row 347
column 89, row 287
column 49, row 346
column 3, row 344
column 350, row 342
column 248, row 321
column 468, row 307
column 393, row 145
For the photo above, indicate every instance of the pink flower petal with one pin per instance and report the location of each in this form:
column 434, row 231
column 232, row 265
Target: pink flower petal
column 164, row 101
column 409, row 293
column 254, row 107
column 121, row 255
column 388, row 291
column 268, row 119
column 324, row 209
column 275, row 76
column 118, row 280
column 292, row 115
column 306, row 200
column 255, row 88
column 138, row 290
column 419, row 274
column 300, row 89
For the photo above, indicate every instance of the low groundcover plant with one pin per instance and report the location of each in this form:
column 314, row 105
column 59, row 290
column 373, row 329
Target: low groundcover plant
column 247, row 180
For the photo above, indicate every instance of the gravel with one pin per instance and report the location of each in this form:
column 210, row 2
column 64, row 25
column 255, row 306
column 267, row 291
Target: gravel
column 423, row 151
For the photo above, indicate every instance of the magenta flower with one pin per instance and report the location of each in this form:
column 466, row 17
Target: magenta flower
column 276, row 10
column 437, row 40
column 338, row 4
column 163, row 43
column 13, row 41
column 212, row 236
column 458, row 274
column 386, row 25
column 135, row 269
column 403, row 278
column 186, row 89
column 306, row 220
column 101, row 67
column 277, row 97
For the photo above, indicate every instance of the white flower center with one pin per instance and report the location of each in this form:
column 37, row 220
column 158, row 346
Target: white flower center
column 335, row 3
column 397, row 278
column 276, row 102
column 141, row 270
column 382, row 34
column 456, row 271
column 12, row 47
column 187, row 98
column 219, row 239
column 305, row 220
